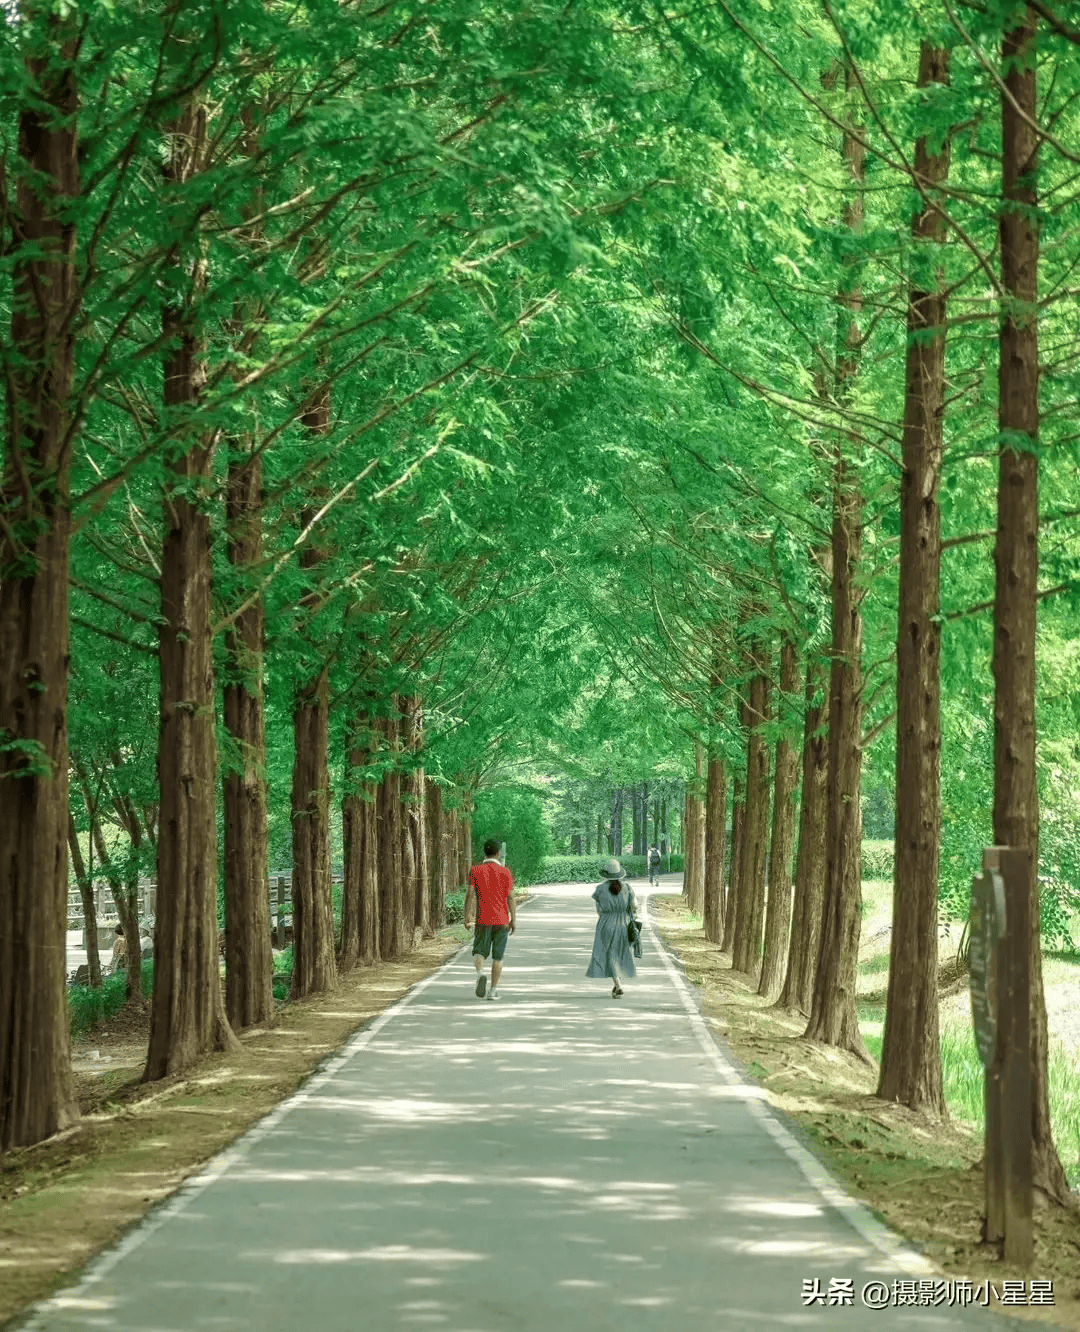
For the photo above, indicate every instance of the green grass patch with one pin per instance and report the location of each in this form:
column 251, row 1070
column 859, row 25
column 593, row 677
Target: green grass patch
column 88, row 1006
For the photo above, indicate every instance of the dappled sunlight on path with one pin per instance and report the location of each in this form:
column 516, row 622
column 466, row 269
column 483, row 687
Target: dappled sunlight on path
column 557, row 1159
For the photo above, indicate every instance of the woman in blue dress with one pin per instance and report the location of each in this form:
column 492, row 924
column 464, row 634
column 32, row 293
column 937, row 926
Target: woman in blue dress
column 612, row 953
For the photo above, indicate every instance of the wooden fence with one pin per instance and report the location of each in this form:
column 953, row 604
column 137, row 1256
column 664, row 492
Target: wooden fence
column 279, row 904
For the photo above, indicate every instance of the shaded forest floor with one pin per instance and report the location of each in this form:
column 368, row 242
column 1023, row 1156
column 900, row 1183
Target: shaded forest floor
column 922, row 1179
column 64, row 1200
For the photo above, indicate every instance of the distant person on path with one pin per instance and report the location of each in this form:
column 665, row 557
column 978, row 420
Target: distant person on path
column 119, row 951
column 612, row 952
column 490, row 902
column 654, row 864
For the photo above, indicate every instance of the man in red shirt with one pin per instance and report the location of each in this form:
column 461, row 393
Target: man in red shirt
column 490, row 902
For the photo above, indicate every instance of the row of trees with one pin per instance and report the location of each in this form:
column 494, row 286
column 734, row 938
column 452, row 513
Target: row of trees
column 398, row 397
column 974, row 278
column 272, row 274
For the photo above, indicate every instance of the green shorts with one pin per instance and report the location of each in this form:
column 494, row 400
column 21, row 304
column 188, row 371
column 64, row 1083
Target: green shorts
column 491, row 939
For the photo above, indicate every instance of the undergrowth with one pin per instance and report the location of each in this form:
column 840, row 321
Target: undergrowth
column 89, row 1006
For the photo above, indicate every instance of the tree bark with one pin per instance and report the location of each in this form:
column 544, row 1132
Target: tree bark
column 833, row 1016
column 249, row 959
column 910, row 1052
column 413, row 820
column 187, row 1015
column 778, row 915
column 695, row 893
column 1016, row 557
column 738, row 809
column 715, row 814
column 750, row 908
column 314, row 960
column 798, row 991
column 89, row 906
column 314, row 963
column 389, row 833
column 36, row 1095
column 436, row 856
column 353, row 827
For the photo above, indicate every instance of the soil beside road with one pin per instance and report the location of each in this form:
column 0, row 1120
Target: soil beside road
column 923, row 1179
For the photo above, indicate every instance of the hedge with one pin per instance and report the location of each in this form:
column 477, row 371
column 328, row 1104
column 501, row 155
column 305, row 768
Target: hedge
column 590, row 869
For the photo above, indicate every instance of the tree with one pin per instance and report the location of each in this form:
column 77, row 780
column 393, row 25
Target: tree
column 910, row 1052
column 36, row 1097
column 1016, row 555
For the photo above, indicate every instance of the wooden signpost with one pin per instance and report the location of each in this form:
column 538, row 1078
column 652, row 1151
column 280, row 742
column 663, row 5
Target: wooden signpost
column 1000, row 1011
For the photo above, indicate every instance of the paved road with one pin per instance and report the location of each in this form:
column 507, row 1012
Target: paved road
column 554, row 1161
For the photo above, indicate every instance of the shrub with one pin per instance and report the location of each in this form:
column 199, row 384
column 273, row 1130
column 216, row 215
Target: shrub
column 455, row 907
column 590, row 869
column 515, row 817
column 877, row 859
column 88, row 1006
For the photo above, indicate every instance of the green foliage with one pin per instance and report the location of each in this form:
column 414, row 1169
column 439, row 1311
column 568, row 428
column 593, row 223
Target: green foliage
column 516, row 817
column 590, row 869
column 877, row 859
column 455, row 907
column 89, row 1007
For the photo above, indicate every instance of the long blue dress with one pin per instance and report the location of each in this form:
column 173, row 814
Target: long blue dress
column 612, row 955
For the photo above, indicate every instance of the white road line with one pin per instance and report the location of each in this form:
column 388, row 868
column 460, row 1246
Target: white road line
column 906, row 1260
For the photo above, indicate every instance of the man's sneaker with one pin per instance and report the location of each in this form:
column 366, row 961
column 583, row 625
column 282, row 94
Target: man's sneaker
column 493, row 993
column 481, row 985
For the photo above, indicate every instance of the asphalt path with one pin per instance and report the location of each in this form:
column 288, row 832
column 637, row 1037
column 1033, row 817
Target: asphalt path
column 554, row 1160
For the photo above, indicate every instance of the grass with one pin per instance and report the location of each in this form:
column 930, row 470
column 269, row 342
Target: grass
column 962, row 1070
column 88, row 1006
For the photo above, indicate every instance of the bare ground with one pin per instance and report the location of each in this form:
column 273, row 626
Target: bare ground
column 922, row 1178
column 65, row 1199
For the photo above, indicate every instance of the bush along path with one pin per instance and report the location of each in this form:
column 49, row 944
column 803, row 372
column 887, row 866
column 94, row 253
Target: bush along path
column 555, row 1158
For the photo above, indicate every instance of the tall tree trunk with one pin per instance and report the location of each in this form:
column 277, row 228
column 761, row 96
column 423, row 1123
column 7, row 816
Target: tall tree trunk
column 353, row 826
column 436, row 856
column 750, row 909
column 785, row 785
column 466, row 830
column 833, row 1016
column 687, row 846
column 413, row 818
column 89, row 906
column 314, row 960
column 249, row 959
column 389, row 834
column 798, row 991
column 314, row 963
column 910, row 1052
column 36, row 1095
column 738, row 809
column 1016, row 557
column 695, row 891
column 187, row 1014
column 715, row 814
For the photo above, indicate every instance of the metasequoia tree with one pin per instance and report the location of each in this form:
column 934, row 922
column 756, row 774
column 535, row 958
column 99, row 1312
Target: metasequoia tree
column 36, row 1097
column 187, row 1014
column 750, row 903
column 910, row 1053
column 833, row 1017
column 1016, row 558
column 314, row 965
column 785, row 788
column 808, row 893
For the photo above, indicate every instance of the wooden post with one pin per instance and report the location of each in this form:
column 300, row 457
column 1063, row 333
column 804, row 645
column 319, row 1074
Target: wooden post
column 1000, row 995
column 1014, row 1044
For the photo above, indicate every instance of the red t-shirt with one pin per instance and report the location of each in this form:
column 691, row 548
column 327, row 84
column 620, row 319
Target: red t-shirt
column 493, row 883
